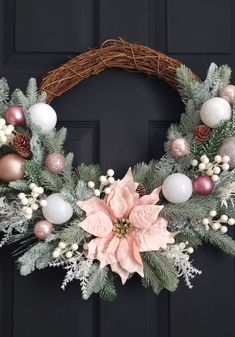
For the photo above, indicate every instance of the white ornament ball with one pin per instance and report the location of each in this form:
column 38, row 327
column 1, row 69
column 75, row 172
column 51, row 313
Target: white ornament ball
column 214, row 111
column 177, row 188
column 57, row 210
column 43, row 116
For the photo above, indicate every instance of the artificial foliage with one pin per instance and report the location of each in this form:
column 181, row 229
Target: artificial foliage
column 189, row 224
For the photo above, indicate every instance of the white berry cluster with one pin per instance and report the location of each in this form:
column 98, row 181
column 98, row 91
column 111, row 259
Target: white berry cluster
column 212, row 169
column 6, row 132
column 105, row 182
column 32, row 201
column 184, row 248
column 216, row 224
column 65, row 249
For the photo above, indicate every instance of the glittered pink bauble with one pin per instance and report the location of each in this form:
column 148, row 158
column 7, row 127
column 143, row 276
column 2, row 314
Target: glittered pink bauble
column 228, row 93
column 179, row 147
column 14, row 115
column 203, row 185
column 11, row 168
column 43, row 229
column 228, row 149
column 55, row 162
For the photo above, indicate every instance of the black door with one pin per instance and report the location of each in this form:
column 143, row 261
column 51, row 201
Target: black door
column 117, row 119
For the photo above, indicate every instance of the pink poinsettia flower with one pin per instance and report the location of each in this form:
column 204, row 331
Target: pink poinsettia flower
column 124, row 224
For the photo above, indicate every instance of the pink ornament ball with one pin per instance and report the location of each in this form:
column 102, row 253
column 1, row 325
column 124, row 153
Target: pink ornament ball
column 43, row 229
column 228, row 93
column 11, row 168
column 55, row 162
column 14, row 115
column 203, row 185
column 179, row 147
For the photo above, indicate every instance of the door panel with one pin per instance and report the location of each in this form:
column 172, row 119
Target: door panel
column 118, row 119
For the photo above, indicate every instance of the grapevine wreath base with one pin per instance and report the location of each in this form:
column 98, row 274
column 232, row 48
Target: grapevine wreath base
column 95, row 226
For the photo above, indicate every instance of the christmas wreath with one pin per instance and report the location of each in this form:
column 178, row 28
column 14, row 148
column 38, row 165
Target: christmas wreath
column 98, row 227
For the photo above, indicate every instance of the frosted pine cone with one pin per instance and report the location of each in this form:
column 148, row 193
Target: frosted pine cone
column 21, row 144
column 202, row 133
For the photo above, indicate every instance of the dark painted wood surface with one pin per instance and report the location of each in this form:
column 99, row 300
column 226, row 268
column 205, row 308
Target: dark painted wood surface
column 117, row 119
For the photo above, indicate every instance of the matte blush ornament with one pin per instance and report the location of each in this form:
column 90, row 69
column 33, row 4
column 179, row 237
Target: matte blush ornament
column 228, row 149
column 203, row 185
column 14, row 115
column 43, row 229
column 55, row 162
column 177, row 188
column 11, row 168
column 214, row 111
column 228, row 93
column 179, row 147
column 57, row 210
column 43, row 116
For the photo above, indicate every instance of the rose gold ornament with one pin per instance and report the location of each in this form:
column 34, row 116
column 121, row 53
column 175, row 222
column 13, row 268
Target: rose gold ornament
column 14, row 115
column 43, row 229
column 11, row 168
column 228, row 93
column 179, row 147
column 55, row 162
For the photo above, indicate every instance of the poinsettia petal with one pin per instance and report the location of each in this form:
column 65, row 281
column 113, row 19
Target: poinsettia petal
column 126, row 258
column 152, row 198
column 143, row 216
column 116, row 268
column 118, row 204
column 128, row 181
column 98, row 224
column 94, row 205
column 155, row 237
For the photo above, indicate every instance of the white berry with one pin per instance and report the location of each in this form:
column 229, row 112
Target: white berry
column 97, row 193
column 190, row 250
column 107, row 190
column 225, row 167
column 74, row 246
column 172, row 240
column 24, row 201
column 40, row 190
column 202, row 157
column 209, row 173
column 218, row 158
column 34, row 195
column 202, row 166
column 62, row 245
column 91, row 184
column 205, row 160
column 110, row 172
column 7, row 131
column 226, row 159
column 21, row 196
column 231, row 221
column 111, row 180
column 35, row 189
column 56, row 254
column 213, row 213
column 194, row 162
column 34, row 207
column 103, row 179
column 28, row 216
column 3, row 139
column 215, row 178
column 32, row 185
column 216, row 170
column 223, row 229
column 2, row 121
column 216, row 226
column 28, row 211
column 205, row 221
column 69, row 254
column 43, row 203
column 224, row 218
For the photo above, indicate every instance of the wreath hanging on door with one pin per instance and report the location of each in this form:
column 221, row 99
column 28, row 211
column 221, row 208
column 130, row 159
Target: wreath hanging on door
column 96, row 226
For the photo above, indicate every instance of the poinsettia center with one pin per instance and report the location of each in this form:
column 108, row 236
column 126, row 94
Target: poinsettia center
column 122, row 227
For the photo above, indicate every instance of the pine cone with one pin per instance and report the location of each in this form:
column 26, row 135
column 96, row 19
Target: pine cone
column 21, row 144
column 141, row 190
column 202, row 133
